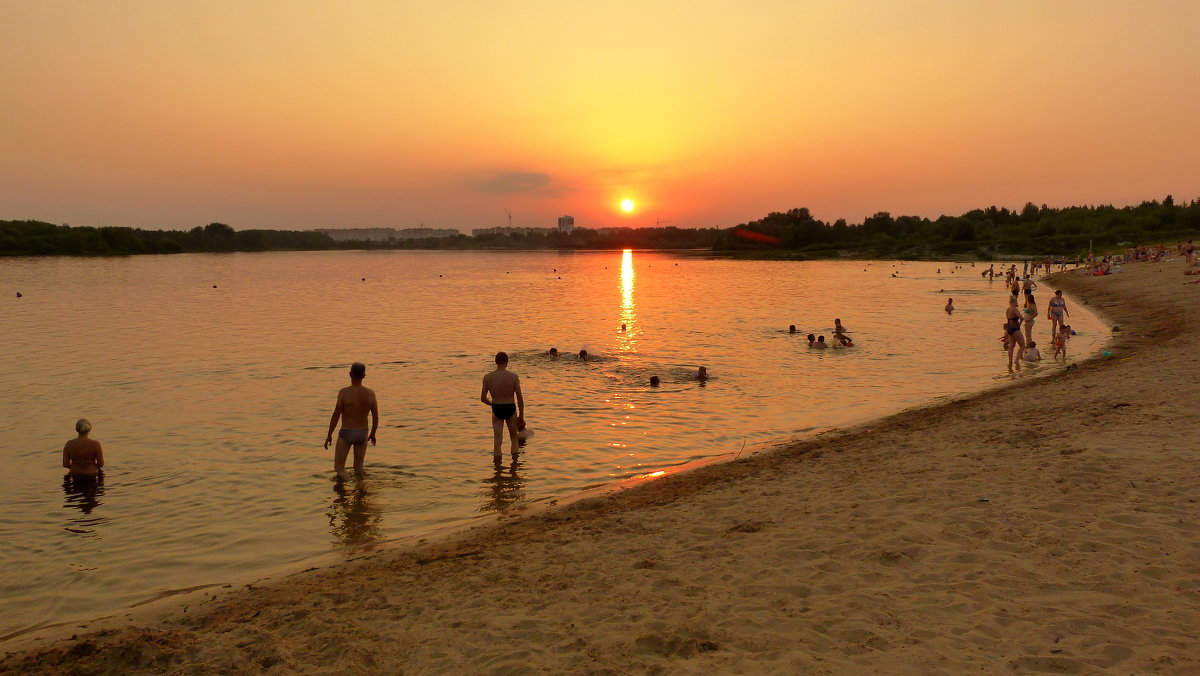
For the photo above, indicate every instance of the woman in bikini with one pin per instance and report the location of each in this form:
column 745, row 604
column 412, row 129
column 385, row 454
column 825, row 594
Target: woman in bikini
column 1030, row 311
column 1058, row 308
column 1012, row 327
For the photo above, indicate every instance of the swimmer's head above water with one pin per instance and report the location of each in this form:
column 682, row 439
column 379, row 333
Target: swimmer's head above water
column 654, row 381
column 358, row 371
column 791, row 328
column 583, row 354
column 83, row 426
column 702, row 373
column 554, row 352
column 501, row 358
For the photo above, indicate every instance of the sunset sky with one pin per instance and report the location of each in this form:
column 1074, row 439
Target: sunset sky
column 306, row 114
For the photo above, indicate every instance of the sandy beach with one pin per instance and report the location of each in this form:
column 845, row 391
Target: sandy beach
column 1051, row 526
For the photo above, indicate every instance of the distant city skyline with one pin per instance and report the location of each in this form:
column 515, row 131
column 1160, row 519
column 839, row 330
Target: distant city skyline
column 455, row 115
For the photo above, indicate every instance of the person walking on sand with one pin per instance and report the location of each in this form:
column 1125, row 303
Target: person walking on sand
column 507, row 403
column 1060, row 341
column 83, row 455
column 353, row 405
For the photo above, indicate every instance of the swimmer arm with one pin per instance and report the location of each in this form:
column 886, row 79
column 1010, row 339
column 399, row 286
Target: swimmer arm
column 333, row 421
column 483, row 394
column 66, row 458
column 99, row 455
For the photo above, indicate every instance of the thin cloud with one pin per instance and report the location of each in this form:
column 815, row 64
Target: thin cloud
column 514, row 182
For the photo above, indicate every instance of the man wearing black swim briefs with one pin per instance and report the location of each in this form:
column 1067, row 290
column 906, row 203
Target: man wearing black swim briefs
column 502, row 392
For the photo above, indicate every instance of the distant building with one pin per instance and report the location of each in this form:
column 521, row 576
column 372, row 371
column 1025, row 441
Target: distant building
column 566, row 224
column 427, row 233
column 385, row 234
column 511, row 231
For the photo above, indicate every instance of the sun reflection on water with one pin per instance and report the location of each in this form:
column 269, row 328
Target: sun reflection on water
column 625, row 338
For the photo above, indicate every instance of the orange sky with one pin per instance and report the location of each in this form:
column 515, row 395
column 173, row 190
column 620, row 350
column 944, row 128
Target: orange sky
column 307, row 114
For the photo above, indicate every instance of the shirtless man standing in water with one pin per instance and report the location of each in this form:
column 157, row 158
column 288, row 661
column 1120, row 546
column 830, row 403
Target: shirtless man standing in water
column 508, row 405
column 353, row 405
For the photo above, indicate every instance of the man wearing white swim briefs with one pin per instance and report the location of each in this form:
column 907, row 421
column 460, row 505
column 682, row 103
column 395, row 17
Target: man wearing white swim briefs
column 354, row 403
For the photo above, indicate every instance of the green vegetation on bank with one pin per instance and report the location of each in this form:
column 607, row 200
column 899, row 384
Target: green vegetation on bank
column 982, row 233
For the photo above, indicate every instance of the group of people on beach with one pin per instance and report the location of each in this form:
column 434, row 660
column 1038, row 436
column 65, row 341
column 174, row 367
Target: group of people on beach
column 356, row 406
column 700, row 374
column 1020, row 317
column 356, row 403
column 840, row 337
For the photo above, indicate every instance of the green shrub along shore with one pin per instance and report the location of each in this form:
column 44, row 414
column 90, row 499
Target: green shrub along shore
column 795, row 234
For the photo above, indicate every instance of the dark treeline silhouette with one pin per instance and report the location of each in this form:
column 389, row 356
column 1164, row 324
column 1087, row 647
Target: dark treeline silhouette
column 35, row 238
column 982, row 233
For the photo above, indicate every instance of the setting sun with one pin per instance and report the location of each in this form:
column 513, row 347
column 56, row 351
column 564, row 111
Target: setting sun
column 626, row 205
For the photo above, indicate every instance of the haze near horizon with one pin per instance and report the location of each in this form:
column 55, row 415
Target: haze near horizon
column 301, row 115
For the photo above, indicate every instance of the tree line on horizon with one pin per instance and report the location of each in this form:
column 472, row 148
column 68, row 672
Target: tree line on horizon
column 983, row 233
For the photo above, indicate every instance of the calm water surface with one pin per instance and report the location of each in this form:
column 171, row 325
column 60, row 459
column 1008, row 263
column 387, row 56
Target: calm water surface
column 210, row 380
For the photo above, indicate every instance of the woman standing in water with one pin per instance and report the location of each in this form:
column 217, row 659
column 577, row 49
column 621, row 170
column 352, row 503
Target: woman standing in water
column 1012, row 327
column 1030, row 315
column 1058, row 307
column 83, row 455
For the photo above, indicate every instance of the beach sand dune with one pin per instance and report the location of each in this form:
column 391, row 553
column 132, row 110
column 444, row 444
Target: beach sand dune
column 1047, row 527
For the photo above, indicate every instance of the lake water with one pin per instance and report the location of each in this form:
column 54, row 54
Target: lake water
column 210, row 380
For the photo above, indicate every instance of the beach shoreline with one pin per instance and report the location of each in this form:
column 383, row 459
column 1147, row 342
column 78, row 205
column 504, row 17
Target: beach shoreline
column 634, row 599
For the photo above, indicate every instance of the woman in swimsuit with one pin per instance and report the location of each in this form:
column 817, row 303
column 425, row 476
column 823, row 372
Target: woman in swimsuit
column 1058, row 307
column 1012, row 327
column 1030, row 315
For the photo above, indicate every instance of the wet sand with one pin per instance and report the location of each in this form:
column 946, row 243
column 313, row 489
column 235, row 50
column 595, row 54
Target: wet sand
column 1051, row 526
